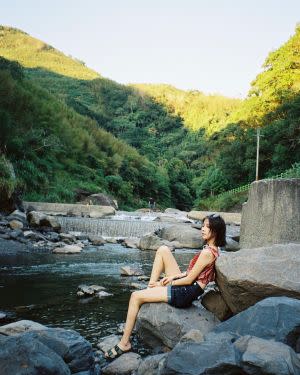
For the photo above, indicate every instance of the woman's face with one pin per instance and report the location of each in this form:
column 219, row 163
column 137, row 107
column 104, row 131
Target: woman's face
column 206, row 232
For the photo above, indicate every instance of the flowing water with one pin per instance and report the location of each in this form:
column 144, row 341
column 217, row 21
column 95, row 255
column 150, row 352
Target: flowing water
column 110, row 227
column 42, row 287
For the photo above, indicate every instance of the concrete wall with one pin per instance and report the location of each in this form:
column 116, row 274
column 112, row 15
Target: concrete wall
column 65, row 208
column 271, row 214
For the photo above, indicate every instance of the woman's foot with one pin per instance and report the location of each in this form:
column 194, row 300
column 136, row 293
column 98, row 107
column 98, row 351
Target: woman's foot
column 117, row 350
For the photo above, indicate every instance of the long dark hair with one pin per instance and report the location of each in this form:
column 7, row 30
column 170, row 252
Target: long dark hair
column 218, row 228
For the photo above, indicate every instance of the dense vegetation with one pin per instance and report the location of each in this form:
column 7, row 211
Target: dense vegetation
column 55, row 150
column 58, row 116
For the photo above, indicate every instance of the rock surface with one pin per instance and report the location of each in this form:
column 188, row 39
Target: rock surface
column 184, row 234
column 132, row 243
column 214, row 302
column 124, row 365
column 161, row 324
column 21, row 356
column 150, row 242
column 215, row 356
column 101, row 211
column 274, row 318
column 108, row 342
column 223, row 354
column 229, row 217
column 68, row 249
column 131, row 271
column 271, row 214
column 152, row 365
column 231, row 245
column 47, row 351
column 100, row 200
column 267, row 357
column 39, row 219
column 248, row 276
column 21, row 326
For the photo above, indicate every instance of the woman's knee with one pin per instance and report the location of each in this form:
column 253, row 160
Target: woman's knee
column 135, row 296
column 163, row 249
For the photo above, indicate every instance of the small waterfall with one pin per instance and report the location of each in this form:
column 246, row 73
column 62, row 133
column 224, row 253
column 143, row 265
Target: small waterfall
column 109, row 227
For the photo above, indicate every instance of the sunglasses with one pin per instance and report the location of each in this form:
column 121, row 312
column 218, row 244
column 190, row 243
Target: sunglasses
column 215, row 216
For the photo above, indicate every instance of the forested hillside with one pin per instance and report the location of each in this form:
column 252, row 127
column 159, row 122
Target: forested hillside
column 198, row 111
column 54, row 150
column 193, row 145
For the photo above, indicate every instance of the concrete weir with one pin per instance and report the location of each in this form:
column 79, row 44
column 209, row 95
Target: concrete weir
column 110, row 227
column 70, row 209
column 102, row 224
column 271, row 214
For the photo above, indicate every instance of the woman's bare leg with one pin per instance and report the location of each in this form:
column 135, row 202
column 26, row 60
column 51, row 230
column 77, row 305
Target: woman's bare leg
column 164, row 261
column 158, row 294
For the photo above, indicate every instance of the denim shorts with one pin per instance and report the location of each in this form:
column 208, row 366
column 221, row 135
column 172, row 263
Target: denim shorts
column 183, row 295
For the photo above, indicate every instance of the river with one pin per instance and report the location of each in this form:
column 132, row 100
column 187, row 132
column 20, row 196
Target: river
column 42, row 287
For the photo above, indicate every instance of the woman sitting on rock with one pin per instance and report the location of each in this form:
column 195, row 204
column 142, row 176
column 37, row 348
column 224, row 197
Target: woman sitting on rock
column 177, row 288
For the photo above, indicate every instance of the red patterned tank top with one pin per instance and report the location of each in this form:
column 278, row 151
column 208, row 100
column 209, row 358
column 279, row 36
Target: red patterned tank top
column 208, row 273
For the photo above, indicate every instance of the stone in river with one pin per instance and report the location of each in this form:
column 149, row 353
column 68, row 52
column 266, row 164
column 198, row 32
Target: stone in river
column 2, row 316
column 97, row 288
column 138, row 285
column 143, row 278
column 108, row 342
column 16, row 224
column 131, row 271
column 102, row 294
column 68, row 249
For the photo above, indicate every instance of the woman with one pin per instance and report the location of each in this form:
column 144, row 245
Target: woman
column 178, row 289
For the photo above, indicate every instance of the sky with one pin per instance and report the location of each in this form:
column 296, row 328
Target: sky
column 214, row 46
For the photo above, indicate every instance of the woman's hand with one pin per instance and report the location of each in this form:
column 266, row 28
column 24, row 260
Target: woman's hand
column 166, row 280
column 154, row 284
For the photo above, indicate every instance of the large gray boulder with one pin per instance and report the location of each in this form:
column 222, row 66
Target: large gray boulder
column 21, row 326
column 248, row 276
column 229, row 217
column 153, row 242
column 271, row 214
column 39, row 219
column 150, row 242
column 68, row 344
column 214, row 356
column 100, row 199
column 223, row 354
column 214, row 302
column 160, row 324
column 184, row 234
column 21, row 356
column 274, row 318
column 124, row 365
column 267, row 357
column 152, row 365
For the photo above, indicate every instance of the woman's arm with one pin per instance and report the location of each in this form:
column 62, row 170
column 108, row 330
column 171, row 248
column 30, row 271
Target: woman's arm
column 168, row 279
column 204, row 259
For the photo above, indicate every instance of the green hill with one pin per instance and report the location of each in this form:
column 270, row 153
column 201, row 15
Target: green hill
column 193, row 145
column 198, row 111
column 55, row 150
column 31, row 53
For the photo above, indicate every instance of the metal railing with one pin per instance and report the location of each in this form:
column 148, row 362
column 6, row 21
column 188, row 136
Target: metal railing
column 288, row 173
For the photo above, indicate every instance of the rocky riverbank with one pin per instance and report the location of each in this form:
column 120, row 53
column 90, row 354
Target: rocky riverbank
column 41, row 232
column 247, row 323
